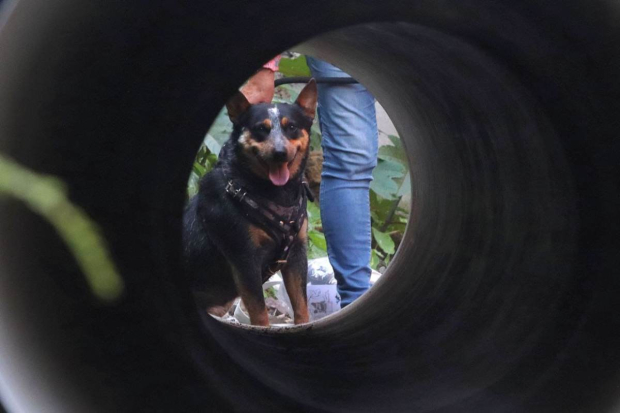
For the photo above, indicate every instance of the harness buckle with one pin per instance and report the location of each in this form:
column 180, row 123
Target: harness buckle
column 236, row 193
column 229, row 187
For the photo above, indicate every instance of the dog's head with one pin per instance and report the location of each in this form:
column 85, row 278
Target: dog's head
column 274, row 140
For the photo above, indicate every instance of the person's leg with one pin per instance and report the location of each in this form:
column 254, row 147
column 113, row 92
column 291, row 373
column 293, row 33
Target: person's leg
column 349, row 139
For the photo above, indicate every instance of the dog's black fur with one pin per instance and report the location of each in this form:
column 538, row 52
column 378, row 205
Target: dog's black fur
column 225, row 252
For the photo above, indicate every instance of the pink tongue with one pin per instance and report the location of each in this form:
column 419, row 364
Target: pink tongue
column 279, row 174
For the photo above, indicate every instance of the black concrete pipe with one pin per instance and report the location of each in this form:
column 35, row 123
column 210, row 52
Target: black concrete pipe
column 504, row 296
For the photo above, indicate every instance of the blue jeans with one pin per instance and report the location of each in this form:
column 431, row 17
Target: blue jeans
column 349, row 139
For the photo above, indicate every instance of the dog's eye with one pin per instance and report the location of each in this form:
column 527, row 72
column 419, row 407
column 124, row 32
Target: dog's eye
column 262, row 129
column 291, row 128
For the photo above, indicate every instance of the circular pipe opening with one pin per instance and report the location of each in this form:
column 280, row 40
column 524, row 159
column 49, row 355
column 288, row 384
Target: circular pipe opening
column 389, row 197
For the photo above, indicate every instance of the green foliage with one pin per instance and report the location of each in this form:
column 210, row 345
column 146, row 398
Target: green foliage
column 385, row 178
column 270, row 293
column 315, row 137
column 375, row 259
column 384, row 241
column 391, row 173
column 391, row 181
column 48, row 197
column 296, row 66
column 206, row 158
column 220, row 130
column 317, row 246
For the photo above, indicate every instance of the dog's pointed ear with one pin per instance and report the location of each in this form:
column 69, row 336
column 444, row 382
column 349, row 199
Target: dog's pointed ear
column 307, row 99
column 236, row 105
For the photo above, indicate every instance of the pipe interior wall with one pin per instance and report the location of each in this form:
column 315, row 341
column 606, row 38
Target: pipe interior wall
column 502, row 297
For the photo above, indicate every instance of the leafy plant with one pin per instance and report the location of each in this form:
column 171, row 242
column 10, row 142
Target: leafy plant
column 294, row 66
column 48, row 196
column 206, row 158
column 391, row 181
column 317, row 245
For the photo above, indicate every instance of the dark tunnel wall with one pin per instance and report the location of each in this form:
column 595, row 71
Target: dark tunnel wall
column 502, row 298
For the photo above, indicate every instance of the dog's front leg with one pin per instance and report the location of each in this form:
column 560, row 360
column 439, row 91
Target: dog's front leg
column 250, row 288
column 295, row 275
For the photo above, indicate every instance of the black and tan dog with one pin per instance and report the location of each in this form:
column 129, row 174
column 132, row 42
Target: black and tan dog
column 248, row 219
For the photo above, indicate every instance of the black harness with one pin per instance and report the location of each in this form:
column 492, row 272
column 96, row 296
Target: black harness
column 282, row 223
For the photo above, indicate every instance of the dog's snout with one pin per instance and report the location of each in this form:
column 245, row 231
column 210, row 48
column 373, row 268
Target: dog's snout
column 279, row 153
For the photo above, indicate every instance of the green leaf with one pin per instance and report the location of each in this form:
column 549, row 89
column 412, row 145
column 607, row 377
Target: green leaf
column 48, row 196
column 270, row 293
column 387, row 259
column 392, row 153
column 395, row 152
column 397, row 142
column 315, row 137
column 221, row 128
column 211, row 160
column 405, row 186
column 374, row 259
column 384, row 241
column 199, row 170
column 379, row 207
column 202, row 153
column 384, row 176
column 318, row 239
column 314, row 215
column 374, row 216
column 314, row 252
column 294, row 67
column 397, row 226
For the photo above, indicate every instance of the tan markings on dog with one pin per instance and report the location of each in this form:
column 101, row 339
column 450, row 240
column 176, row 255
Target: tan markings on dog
column 251, row 150
column 245, row 137
column 284, row 121
column 303, row 232
column 255, row 307
column 296, row 290
column 258, row 236
column 267, row 123
column 301, row 145
column 303, row 141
